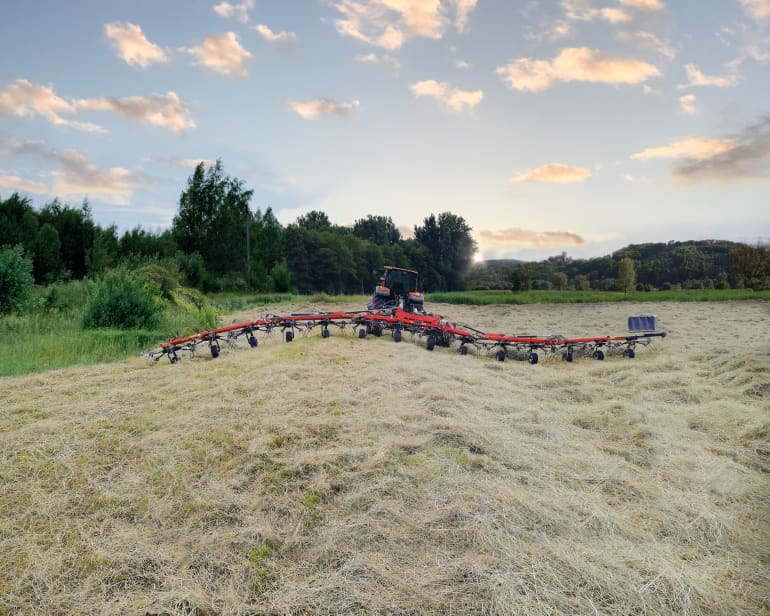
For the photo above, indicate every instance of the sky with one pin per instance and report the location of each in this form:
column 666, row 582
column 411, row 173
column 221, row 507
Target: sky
column 575, row 126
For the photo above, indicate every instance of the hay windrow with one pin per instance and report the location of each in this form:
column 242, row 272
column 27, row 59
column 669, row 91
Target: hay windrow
column 363, row 476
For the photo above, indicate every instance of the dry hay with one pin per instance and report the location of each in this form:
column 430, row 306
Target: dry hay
column 363, row 476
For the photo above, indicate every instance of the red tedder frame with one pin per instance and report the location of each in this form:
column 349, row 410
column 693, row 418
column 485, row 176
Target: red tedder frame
column 433, row 328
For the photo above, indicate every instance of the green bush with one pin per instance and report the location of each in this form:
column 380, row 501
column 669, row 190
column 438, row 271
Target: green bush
column 123, row 299
column 16, row 279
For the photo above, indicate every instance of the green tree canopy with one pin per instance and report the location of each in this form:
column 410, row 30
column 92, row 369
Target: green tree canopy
column 212, row 217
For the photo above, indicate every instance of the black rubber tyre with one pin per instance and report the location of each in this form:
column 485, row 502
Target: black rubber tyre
column 567, row 356
column 599, row 355
column 377, row 330
column 174, row 359
column 431, row 342
column 501, row 355
column 289, row 336
column 463, row 350
column 397, row 335
column 362, row 333
column 325, row 333
column 214, row 350
column 253, row 342
column 533, row 358
column 629, row 353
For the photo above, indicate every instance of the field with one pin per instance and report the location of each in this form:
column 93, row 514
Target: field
column 363, row 476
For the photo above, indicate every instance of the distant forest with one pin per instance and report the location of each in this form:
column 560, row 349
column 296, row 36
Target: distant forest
column 217, row 243
column 703, row 264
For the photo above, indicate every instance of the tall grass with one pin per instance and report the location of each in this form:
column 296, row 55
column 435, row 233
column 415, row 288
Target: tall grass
column 50, row 334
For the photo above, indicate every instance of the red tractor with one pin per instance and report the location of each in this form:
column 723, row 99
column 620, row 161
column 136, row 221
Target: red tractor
column 397, row 287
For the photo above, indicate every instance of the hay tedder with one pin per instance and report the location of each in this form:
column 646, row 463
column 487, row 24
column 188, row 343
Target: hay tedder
column 397, row 307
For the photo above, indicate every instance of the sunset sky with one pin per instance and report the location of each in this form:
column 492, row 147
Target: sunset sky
column 562, row 125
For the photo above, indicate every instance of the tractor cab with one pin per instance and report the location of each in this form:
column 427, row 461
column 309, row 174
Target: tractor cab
column 397, row 287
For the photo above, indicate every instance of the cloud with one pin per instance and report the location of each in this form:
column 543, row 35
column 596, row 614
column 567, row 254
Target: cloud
column 385, row 60
column 758, row 9
column 574, row 64
column 691, row 147
column 462, row 64
column 688, row 104
column 697, row 78
column 310, row 110
column 463, row 9
column 453, row 98
column 236, row 11
column 191, row 163
column 556, row 31
column 647, row 40
column 15, row 183
column 132, row 46
column 222, row 54
column 580, row 10
column 748, row 157
column 283, row 40
column 390, row 23
column 555, row 173
column 651, row 6
column 24, row 99
column 742, row 156
column 527, row 237
column 164, row 110
column 77, row 177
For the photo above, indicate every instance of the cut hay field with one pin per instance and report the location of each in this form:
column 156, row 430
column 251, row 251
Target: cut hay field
column 348, row 476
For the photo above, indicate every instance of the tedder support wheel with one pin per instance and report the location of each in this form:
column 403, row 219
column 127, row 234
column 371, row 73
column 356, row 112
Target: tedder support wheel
column 431, row 342
column 629, row 353
column 533, row 358
column 325, row 333
column 362, row 333
column 501, row 355
column 214, row 350
column 289, row 336
column 463, row 350
column 397, row 335
column 253, row 342
column 599, row 355
column 567, row 356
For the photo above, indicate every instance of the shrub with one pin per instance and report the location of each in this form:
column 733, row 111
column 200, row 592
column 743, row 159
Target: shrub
column 123, row 299
column 16, row 279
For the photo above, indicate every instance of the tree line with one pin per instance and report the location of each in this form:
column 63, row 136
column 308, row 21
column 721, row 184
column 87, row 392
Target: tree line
column 702, row 264
column 216, row 242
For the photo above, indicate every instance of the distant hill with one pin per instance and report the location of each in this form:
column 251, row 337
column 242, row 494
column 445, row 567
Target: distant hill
column 689, row 264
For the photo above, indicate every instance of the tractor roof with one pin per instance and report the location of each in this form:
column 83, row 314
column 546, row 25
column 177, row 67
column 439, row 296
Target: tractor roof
column 399, row 269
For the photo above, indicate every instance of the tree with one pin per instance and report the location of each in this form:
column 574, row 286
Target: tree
column 521, row 277
column 627, row 274
column 141, row 243
column 559, row 281
column 750, row 266
column 379, row 230
column 314, row 220
column 48, row 261
column 582, row 283
column 76, row 233
column 18, row 222
column 16, row 279
column 449, row 241
column 212, row 218
column 103, row 253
